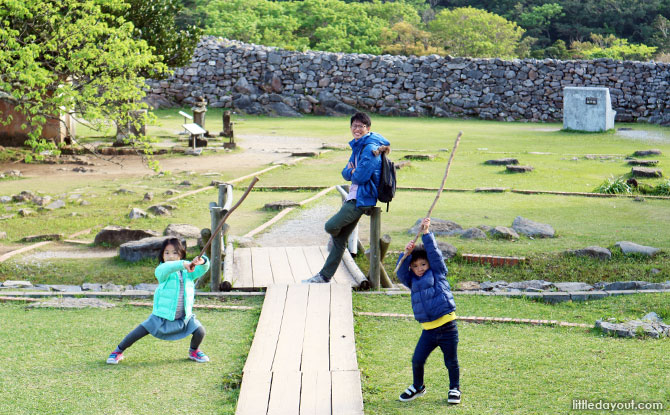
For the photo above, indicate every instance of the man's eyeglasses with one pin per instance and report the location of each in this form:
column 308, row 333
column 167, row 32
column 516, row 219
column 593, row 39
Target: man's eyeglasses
column 358, row 126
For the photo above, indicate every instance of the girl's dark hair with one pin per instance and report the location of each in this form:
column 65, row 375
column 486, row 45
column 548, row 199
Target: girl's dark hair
column 361, row 117
column 419, row 252
column 174, row 242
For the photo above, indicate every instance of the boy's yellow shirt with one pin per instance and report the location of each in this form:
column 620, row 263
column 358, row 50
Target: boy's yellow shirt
column 439, row 322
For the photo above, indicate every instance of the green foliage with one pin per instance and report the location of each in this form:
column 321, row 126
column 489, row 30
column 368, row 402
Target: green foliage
column 71, row 55
column 405, row 39
column 155, row 21
column 661, row 37
column 475, row 33
column 614, row 185
column 610, row 47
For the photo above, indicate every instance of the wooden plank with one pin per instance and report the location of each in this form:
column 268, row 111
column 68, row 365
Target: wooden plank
column 263, row 347
column 315, row 393
column 269, row 223
column 242, row 273
column 342, row 343
column 260, row 267
column 285, row 393
column 347, row 395
column 298, row 263
column 314, row 258
column 289, row 345
column 281, row 270
column 316, row 343
column 10, row 254
column 341, row 275
column 254, row 393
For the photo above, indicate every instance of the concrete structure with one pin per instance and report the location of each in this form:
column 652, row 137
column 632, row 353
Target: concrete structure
column 57, row 129
column 587, row 109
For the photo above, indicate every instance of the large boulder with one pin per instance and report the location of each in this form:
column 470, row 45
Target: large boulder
column 182, row 230
column 144, row 248
column 116, row 235
column 439, row 227
column 629, row 248
column 448, row 250
column 594, row 252
column 534, row 229
column 502, row 232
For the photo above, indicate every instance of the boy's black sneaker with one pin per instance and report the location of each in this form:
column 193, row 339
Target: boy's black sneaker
column 454, row 396
column 412, row 393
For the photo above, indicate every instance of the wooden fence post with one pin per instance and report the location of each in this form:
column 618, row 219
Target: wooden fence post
column 215, row 268
column 375, row 257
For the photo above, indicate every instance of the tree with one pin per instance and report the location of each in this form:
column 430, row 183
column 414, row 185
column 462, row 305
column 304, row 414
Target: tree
column 610, row 47
column 405, row 39
column 155, row 21
column 476, row 33
column 537, row 20
column 71, row 55
column 661, row 36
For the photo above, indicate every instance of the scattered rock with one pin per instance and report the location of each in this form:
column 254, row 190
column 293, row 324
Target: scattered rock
column 185, row 183
column 629, row 248
column 182, row 231
column 136, row 213
column 635, row 162
column 518, row 169
column 159, row 210
column 572, row 286
column 536, row 284
column 3, row 235
column 485, row 228
column 146, row 287
column 643, row 153
column 622, row 285
column 419, row 157
column 439, row 227
column 111, row 287
column 646, row 172
column 502, row 162
column 334, row 146
column 170, row 192
column 635, row 328
column 41, row 201
column 594, row 252
column 467, row 286
column 531, row 228
column 148, row 196
column 46, row 237
column 638, row 199
column 280, row 205
column 448, row 250
column 58, row 204
column 89, row 286
column 17, row 284
column 5, row 199
column 68, row 302
column 13, row 173
column 473, row 233
column 123, row 192
column 144, row 248
column 26, row 212
column 65, row 288
column 117, row 235
column 24, row 196
column 488, row 285
column 502, row 232
column 402, row 164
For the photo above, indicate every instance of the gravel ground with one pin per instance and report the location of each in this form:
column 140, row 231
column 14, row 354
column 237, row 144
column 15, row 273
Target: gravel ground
column 304, row 230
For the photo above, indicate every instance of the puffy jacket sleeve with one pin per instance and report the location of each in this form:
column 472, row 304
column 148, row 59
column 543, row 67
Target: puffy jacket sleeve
column 367, row 163
column 404, row 274
column 166, row 268
column 346, row 172
column 435, row 258
column 199, row 270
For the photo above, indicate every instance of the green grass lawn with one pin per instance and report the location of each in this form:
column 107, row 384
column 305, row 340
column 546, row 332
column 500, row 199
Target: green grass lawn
column 53, row 362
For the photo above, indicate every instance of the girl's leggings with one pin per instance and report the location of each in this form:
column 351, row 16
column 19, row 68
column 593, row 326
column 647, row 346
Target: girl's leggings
column 140, row 332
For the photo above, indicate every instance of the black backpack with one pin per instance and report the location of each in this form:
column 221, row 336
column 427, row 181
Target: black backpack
column 386, row 189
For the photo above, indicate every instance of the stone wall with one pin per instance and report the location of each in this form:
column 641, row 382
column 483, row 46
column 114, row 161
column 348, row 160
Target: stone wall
column 264, row 80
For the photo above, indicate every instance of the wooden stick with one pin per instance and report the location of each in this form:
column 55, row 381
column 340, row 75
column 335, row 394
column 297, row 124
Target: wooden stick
column 223, row 220
column 439, row 192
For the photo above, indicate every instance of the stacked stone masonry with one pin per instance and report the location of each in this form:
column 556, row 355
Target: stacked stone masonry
column 266, row 80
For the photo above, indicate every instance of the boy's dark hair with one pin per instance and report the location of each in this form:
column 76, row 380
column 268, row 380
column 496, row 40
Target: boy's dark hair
column 174, row 242
column 362, row 118
column 419, row 252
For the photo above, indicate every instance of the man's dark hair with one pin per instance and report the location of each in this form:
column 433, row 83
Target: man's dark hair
column 362, row 118
column 174, row 242
column 419, row 252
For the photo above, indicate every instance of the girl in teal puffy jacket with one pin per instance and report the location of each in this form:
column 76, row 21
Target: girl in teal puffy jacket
column 172, row 317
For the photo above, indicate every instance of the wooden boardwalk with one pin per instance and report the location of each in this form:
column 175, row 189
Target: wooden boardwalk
column 303, row 357
column 262, row 267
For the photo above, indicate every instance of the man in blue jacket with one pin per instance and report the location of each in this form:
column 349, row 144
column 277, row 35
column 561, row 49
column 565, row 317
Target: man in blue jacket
column 363, row 171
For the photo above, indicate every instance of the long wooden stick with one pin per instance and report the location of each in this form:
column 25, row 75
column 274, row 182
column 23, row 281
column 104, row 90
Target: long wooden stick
column 439, row 192
column 223, row 220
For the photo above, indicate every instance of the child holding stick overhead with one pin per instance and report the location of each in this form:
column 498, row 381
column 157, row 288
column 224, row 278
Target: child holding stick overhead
column 172, row 317
column 433, row 304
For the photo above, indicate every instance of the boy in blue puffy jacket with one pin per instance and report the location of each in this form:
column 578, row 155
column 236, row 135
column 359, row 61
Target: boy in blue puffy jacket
column 424, row 273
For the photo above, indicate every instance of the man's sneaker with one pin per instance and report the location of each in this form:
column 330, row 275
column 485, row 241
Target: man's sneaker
column 198, row 356
column 412, row 393
column 115, row 358
column 454, row 396
column 317, row 279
